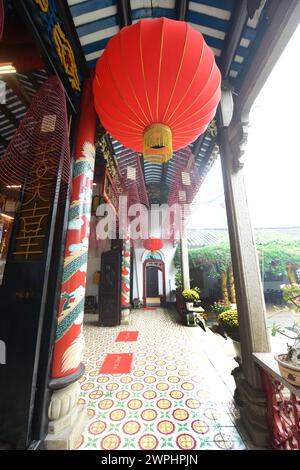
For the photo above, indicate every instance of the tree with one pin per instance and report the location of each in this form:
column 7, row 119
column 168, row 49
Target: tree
column 275, row 256
column 278, row 256
column 217, row 257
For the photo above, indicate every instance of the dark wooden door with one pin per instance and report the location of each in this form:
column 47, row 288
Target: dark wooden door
column 152, row 281
column 110, row 289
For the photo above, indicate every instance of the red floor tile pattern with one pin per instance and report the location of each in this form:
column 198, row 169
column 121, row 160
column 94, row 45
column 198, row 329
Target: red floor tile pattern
column 117, row 364
column 172, row 399
column 125, row 336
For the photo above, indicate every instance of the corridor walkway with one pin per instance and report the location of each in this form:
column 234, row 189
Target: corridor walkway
column 173, row 398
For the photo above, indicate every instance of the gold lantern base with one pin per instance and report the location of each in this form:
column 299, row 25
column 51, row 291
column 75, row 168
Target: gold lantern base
column 158, row 143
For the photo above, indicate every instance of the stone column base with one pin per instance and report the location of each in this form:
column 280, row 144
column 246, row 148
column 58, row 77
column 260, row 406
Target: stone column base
column 253, row 409
column 125, row 316
column 64, row 433
column 67, row 419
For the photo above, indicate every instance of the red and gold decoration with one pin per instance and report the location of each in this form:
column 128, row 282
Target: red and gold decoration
column 153, row 244
column 69, row 338
column 43, row 4
column 125, row 274
column 157, row 87
column 60, row 41
column 66, row 56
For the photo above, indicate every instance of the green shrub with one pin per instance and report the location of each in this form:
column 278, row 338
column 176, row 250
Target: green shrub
column 191, row 295
column 229, row 322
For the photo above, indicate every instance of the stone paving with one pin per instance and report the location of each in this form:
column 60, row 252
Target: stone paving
column 174, row 397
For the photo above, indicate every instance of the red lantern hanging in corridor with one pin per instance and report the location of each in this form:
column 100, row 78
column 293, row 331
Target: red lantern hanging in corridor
column 153, row 244
column 157, row 87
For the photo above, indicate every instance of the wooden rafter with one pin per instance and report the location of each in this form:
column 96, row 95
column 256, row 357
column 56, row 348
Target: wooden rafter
column 208, row 153
column 164, row 174
column 198, row 144
column 181, row 8
column 233, row 36
column 9, row 115
column 18, row 90
column 3, row 141
column 33, row 80
column 124, row 13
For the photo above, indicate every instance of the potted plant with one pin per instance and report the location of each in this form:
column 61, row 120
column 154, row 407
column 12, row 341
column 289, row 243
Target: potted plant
column 289, row 362
column 229, row 325
column 190, row 297
column 192, row 310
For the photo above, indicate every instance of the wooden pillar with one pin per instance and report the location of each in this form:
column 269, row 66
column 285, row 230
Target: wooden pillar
column 250, row 297
column 249, row 291
column 66, row 417
column 68, row 345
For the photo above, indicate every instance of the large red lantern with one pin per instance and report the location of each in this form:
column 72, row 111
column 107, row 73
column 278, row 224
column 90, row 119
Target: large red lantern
column 153, row 244
column 157, row 87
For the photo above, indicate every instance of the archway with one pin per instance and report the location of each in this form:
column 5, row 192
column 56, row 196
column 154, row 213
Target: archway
column 154, row 282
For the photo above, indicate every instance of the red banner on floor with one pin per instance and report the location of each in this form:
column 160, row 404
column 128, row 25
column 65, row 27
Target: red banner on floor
column 117, row 364
column 125, row 336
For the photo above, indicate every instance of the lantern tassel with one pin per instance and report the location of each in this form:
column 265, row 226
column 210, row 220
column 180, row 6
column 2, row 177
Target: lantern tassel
column 158, row 143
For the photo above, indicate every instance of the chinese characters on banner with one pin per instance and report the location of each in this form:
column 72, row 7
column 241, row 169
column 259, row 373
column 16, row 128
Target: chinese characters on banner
column 36, row 206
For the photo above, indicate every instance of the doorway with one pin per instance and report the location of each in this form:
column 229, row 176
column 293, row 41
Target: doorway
column 154, row 286
column 152, row 282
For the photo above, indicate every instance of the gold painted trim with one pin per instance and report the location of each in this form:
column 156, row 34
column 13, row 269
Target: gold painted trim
column 118, row 91
column 143, row 71
column 190, row 85
column 178, row 73
column 130, row 82
column 196, row 112
column 198, row 97
column 159, row 68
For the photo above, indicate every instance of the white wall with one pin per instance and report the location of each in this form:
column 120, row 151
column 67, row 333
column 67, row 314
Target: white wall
column 168, row 252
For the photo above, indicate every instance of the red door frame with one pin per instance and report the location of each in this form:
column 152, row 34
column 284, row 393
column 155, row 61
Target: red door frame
column 161, row 266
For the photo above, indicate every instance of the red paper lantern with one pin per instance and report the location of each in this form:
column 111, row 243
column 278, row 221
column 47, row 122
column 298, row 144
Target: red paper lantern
column 153, row 244
column 157, row 87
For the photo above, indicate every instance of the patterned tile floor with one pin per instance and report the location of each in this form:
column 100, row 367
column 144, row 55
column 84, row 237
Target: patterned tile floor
column 173, row 398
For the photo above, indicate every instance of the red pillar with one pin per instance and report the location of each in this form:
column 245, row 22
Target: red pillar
column 69, row 340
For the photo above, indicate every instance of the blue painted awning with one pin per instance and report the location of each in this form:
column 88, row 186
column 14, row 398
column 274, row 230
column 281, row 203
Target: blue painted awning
column 97, row 21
